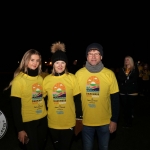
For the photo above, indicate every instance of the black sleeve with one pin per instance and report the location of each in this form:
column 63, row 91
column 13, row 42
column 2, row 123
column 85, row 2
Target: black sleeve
column 16, row 110
column 46, row 99
column 78, row 105
column 121, row 75
column 115, row 106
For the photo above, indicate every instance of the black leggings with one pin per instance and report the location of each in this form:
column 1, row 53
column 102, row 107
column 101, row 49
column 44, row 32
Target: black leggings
column 37, row 133
column 62, row 138
column 128, row 105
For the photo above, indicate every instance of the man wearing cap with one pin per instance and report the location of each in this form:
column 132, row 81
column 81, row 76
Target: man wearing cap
column 100, row 99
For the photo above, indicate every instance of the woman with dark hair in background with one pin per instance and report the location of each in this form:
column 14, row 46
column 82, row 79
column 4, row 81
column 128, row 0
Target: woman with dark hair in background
column 128, row 87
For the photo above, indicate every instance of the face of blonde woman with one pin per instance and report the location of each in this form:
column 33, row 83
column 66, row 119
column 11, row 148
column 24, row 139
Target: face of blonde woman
column 59, row 66
column 34, row 62
column 127, row 61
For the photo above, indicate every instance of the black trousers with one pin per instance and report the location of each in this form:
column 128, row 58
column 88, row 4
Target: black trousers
column 62, row 138
column 128, row 103
column 37, row 133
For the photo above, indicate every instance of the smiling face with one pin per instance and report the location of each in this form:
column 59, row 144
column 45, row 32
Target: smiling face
column 34, row 62
column 94, row 57
column 59, row 66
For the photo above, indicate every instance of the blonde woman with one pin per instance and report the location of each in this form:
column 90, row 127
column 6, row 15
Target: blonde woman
column 128, row 87
column 28, row 105
column 64, row 99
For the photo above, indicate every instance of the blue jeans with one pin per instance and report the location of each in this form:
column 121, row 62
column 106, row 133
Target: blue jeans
column 103, row 135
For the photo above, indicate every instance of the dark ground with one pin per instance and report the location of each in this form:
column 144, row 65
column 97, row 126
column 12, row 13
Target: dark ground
column 136, row 138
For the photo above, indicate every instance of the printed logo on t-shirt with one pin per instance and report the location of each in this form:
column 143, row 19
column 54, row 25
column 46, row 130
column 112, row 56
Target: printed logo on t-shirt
column 59, row 93
column 36, row 93
column 92, row 87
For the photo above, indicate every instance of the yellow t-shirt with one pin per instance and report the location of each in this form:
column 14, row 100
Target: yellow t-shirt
column 95, row 90
column 29, row 89
column 61, row 108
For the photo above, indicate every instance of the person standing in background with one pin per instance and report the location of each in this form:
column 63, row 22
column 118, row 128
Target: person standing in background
column 128, row 85
column 140, row 68
column 145, row 79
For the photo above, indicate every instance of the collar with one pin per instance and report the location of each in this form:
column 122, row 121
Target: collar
column 31, row 72
column 59, row 74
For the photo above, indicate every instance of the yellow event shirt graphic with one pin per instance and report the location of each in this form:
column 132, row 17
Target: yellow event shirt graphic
column 59, row 97
column 37, row 97
column 36, row 92
column 92, row 87
column 59, row 93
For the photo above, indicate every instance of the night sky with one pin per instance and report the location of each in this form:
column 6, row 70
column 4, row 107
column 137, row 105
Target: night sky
column 121, row 30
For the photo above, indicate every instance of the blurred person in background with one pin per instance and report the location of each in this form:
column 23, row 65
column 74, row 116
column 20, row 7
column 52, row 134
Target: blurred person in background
column 145, row 79
column 140, row 68
column 128, row 87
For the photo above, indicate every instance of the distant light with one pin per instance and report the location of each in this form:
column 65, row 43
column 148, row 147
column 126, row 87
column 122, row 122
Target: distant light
column 45, row 62
column 50, row 63
column 18, row 62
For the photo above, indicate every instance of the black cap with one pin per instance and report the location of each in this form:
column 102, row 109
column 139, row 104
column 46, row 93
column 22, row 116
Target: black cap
column 58, row 50
column 94, row 46
column 59, row 55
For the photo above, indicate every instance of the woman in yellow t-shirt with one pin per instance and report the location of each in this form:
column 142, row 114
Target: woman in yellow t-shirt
column 64, row 99
column 28, row 105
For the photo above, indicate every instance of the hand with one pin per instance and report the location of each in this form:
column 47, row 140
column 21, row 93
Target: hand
column 112, row 127
column 21, row 136
column 78, row 126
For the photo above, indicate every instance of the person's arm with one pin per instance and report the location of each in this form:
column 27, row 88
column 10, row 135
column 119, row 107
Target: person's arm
column 46, row 99
column 121, row 75
column 78, row 105
column 115, row 106
column 16, row 110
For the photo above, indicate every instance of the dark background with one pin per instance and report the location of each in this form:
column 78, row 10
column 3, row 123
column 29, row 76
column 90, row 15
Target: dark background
column 121, row 28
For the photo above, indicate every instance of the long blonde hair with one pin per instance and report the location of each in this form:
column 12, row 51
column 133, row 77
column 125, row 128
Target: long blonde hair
column 23, row 67
column 131, row 61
